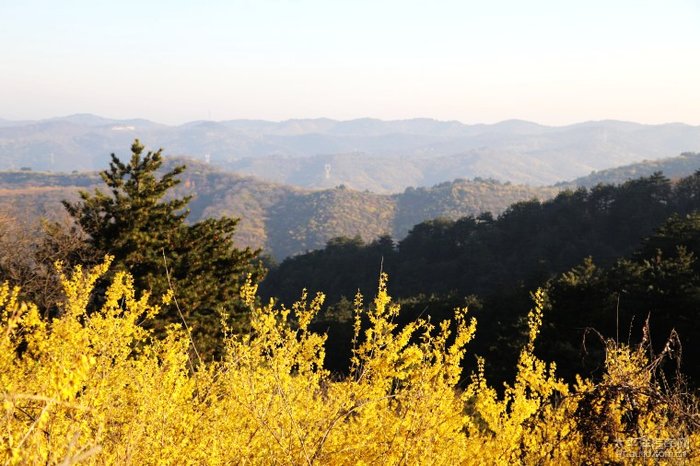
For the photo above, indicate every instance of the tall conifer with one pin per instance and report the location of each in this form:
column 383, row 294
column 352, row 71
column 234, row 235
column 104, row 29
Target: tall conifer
column 146, row 232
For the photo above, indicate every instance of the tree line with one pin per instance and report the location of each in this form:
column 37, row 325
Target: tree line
column 608, row 258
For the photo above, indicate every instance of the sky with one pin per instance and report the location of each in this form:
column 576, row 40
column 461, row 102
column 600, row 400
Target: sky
column 552, row 62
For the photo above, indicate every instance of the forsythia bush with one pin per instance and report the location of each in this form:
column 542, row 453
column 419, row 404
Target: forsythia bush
column 97, row 388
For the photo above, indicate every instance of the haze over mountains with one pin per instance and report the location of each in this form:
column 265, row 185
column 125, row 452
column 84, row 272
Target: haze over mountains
column 365, row 154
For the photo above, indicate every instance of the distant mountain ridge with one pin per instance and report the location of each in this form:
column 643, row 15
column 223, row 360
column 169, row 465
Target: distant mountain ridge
column 362, row 154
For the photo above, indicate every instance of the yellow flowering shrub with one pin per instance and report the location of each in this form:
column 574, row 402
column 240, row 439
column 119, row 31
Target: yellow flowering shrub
column 99, row 388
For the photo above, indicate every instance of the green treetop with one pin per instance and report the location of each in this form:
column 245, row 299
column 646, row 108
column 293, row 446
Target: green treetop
column 147, row 234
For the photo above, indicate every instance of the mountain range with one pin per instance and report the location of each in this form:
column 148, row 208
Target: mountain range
column 363, row 154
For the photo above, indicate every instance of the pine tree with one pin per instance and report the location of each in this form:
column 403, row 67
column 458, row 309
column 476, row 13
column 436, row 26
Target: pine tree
column 146, row 232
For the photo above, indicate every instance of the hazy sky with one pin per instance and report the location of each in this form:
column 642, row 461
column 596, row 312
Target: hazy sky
column 554, row 62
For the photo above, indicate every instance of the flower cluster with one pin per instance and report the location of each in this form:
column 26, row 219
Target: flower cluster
column 99, row 388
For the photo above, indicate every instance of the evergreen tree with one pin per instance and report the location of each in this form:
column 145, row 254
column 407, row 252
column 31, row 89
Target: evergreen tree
column 146, row 232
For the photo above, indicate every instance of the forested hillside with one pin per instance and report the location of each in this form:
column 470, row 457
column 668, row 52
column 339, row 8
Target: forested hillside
column 673, row 167
column 479, row 253
column 284, row 220
column 492, row 263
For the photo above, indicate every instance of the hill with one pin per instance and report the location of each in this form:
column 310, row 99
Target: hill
column 674, row 167
column 472, row 254
column 608, row 257
column 380, row 156
column 284, row 220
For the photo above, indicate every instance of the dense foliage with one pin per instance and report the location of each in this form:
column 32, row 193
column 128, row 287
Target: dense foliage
column 660, row 284
column 492, row 264
column 148, row 237
column 29, row 251
column 100, row 388
column 483, row 254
